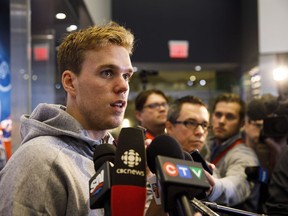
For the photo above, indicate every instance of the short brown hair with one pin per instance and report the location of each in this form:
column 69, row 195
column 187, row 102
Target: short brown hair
column 71, row 51
column 142, row 97
column 229, row 98
column 175, row 108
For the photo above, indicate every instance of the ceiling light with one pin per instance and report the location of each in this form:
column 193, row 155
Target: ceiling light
column 60, row 16
column 190, row 83
column 202, row 82
column 192, row 78
column 280, row 73
column 198, row 68
column 71, row 28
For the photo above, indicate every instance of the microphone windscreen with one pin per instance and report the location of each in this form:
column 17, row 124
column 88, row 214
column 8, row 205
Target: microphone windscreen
column 128, row 192
column 187, row 156
column 163, row 145
column 102, row 154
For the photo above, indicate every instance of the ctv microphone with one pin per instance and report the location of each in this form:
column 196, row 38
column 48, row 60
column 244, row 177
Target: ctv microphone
column 180, row 180
column 128, row 192
column 164, row 145
column 100, row 183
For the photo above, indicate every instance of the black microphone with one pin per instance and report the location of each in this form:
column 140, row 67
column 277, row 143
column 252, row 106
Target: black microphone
column 197, row 157
column 100, row 184
column 187, row 156
column 257, row 174
column 128, row 192
column 164, row 145
column 180, row 180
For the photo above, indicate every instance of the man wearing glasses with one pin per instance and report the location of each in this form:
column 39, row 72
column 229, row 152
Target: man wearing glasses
column 231, row 156
column 188, row 122
column 151, row 111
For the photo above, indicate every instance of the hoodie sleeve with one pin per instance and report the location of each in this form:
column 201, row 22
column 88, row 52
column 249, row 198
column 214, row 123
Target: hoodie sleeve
column 231, row 185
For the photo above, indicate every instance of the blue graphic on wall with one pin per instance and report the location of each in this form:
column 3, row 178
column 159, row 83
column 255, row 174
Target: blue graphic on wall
column 5, row 83
column 5, row 89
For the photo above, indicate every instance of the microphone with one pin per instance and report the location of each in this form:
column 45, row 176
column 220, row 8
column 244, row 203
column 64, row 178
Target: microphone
column 180, row 180
column 197, row 157
column 100, row 183
column 164, row 145
column 187, row 156
column 257, row 174
column 128, row 192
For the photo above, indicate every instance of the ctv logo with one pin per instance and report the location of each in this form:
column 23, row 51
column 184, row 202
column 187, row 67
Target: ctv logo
column 182, row 171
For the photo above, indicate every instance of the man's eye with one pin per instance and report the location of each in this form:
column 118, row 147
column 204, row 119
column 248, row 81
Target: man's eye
column 205, row 125
column 127, row 77
column 218, row 115
column 107, row 73
column 230, row 117
column 192, row 123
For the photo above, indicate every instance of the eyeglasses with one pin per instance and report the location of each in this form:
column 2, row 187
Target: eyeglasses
column 156, row 105
column 256, row 124
column 194, row 124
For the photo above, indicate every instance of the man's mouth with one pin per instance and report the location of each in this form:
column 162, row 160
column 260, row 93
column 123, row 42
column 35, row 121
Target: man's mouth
column 119, row 104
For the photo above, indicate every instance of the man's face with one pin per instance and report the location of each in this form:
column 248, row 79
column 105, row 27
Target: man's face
column 99, row 94
column 188, row 136
column 226, row 120
column 253, row 130
column 154, row 113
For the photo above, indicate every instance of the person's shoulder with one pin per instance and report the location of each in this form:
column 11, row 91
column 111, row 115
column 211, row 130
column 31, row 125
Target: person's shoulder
column 42, row 149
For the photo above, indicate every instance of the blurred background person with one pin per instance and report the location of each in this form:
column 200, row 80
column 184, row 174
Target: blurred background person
column 229, row 153
column 267, row 142
column 257, row 110
column 277, row 203
column 151, row 107
column 188, row 122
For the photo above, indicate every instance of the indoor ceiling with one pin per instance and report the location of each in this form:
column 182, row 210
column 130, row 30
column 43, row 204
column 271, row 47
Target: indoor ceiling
column 43, row 20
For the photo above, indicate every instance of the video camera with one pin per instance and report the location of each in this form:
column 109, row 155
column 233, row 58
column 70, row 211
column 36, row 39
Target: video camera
column 276, row 125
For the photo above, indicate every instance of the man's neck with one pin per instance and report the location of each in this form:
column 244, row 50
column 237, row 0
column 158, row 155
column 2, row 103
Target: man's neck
column 96, row 135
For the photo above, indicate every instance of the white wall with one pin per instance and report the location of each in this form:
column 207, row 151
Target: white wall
column 273, row 26
column 99, row 10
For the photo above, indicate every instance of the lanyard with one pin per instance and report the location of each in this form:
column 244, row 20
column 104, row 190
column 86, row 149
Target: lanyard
column 221, row 155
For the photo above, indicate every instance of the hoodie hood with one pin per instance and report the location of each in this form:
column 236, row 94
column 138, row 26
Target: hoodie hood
column 53, row 120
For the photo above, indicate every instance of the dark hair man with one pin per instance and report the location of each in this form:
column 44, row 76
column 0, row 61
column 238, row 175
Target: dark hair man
column 231, row 156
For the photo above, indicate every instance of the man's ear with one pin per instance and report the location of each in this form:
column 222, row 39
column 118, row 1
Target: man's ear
column 138, row 116
column 168, row 126
column 68, row 78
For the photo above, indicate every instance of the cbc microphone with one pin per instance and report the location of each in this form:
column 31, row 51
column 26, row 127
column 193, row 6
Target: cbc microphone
column 100, row 184
column 128, row 192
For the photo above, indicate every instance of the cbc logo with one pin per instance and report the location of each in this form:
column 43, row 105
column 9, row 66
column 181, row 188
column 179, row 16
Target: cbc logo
column 131, row 158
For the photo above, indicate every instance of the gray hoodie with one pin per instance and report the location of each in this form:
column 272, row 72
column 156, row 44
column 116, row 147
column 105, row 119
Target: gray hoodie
column 50, row 171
